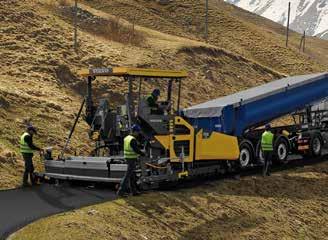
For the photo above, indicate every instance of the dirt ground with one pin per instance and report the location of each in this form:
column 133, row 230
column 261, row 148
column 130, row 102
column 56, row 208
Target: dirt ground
column 290, row 204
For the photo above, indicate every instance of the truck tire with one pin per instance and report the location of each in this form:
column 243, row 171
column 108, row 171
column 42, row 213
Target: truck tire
column 246, row 156
column 315, row 146
column 281, row 149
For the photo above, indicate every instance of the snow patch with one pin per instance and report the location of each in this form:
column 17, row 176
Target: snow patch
column 311, row 15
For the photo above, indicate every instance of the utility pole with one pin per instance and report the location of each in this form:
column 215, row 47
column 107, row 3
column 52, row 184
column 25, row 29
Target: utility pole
column 302, row 44
column 206, row 20
column 304, row 36
column 287, row 33
column 75, row 26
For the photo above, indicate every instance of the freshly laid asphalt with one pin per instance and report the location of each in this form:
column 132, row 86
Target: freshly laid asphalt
column 19, row 207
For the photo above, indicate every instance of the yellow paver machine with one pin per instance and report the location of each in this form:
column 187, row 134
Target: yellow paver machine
column 173, row 148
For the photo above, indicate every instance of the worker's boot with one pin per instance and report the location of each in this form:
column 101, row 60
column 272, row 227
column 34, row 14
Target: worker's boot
column 236, row 177
column 136, row 193
column 268, row 172
column 25, row 180
column 34, row 180
column 122, row 194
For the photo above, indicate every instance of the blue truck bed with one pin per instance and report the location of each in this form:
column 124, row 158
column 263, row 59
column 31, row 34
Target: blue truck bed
column 253, row 107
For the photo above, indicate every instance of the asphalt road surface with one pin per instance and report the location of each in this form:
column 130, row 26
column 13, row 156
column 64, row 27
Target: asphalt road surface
column 20, row 207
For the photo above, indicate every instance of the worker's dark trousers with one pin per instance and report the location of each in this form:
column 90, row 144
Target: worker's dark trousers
column 29, row 168
column 128, row 182
column 267, row 163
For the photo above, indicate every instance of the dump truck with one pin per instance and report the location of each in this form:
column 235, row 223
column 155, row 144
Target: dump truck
column 240, row 114
column 210, row 138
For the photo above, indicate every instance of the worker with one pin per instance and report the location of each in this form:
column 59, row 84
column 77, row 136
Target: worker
column 131, row 153
column 27, row 149
column 267, row 149
column 152, row 102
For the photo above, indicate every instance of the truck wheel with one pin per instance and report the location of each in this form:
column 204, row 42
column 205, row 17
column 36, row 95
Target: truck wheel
column 281, row 150
column 315, row 146
column 246, row 155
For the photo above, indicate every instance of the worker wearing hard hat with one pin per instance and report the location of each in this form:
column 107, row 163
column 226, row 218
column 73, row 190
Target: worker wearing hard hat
column 267, row 149
column 131, row 154
column 27, row 149
column 152, row 101
column 153, row 98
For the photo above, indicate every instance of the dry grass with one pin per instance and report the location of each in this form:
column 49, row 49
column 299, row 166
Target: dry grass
column 230, row 28
column 57, row 3
column 115, row 31
column 109, row 28
column 64, row 3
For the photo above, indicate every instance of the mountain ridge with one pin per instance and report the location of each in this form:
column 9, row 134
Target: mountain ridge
column 310, row 16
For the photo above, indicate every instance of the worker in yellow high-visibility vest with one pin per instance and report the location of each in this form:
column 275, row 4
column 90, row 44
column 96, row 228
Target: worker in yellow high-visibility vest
column 131, row 154
column 267, row 149
column 27, row 149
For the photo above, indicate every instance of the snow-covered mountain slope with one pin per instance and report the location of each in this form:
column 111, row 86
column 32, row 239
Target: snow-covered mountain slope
column 308, row 15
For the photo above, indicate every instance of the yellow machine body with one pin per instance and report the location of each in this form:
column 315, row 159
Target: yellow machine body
column 217, row 146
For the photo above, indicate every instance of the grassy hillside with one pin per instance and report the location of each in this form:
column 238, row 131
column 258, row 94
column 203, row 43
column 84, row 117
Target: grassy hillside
column 39, row 83
column 230, row 28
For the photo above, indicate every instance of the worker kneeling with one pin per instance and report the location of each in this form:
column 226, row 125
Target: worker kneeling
column 131, row 153
column 267, row 149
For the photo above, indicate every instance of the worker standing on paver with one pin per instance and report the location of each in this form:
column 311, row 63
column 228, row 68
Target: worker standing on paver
column 131, row 154
column 267, row 149
column 27, row 149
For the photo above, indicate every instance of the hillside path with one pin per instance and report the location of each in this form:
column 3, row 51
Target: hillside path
column 19, row 207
